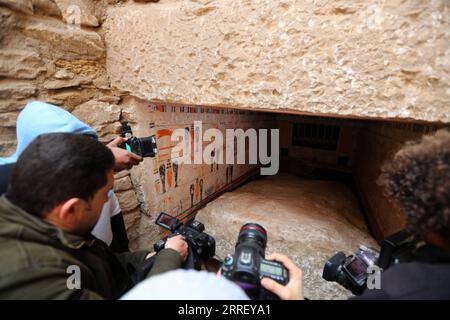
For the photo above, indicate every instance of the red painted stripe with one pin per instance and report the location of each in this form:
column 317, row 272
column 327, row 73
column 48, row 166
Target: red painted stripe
column 255, row 227
column 163, row 133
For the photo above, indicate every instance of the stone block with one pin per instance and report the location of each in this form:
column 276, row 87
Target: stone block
column 347, row 58
column 22, row 6
column 122, row 184
column 20, row 64
column 307, row 220
column 128, row 200
column 12, row 89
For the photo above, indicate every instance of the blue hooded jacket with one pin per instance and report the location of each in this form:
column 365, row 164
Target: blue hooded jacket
column 38, row 118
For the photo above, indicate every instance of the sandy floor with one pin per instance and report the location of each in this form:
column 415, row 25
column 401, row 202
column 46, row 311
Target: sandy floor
column 308, row 220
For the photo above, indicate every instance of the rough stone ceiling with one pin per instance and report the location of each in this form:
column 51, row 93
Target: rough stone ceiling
column 388, row 59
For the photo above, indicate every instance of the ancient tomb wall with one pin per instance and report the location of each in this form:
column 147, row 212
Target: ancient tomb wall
column 319, row 142
column 166, row 184
column 377, row 142
column 359, row 148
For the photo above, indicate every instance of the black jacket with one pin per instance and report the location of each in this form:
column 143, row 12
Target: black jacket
column 5, row 174
column 120, row 237
column 37, row 259
column 428, row 277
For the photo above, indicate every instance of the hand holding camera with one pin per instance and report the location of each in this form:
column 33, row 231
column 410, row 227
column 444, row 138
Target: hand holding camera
column 123, row 158
column 262, row 279
column 178, row 244
column 199, row 246
column 143, row 147
column 351, row 271
column 293, row 290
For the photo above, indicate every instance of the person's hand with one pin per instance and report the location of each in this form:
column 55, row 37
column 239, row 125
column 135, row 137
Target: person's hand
column 293, row 290
column 178, row 244
column 124, row 158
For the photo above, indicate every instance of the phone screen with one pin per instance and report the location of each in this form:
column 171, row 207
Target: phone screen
column 166, row 221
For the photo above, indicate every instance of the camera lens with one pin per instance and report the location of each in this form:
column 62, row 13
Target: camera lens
column 254, row 234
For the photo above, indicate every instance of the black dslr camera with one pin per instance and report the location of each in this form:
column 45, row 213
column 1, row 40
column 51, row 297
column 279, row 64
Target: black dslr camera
column 201, row 245
column 144, row 147
column 247, row 266
column 351, row 271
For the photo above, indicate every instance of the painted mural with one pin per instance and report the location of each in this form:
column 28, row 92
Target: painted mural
column 178, row 187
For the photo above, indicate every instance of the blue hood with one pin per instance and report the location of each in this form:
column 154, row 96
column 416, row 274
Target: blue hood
column 39, row 118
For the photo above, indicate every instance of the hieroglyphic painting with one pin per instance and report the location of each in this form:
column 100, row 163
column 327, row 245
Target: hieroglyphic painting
column 179, row 186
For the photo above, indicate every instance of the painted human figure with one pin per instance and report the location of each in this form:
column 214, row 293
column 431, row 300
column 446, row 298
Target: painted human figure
column 217, row 159
column 213, row 153
column 191, row 191
column 175, row 172
column 201, row 189
column 187, row 143
column 162, row 175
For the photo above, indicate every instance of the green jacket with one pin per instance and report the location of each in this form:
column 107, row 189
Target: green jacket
column 37, row 259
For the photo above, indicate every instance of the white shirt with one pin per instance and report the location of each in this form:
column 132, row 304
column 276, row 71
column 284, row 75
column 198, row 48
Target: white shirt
column 102, row 229
column 186, row 284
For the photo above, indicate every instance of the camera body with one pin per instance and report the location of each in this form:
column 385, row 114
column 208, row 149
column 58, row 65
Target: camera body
column 351, row 271
column 202, row 246
column 144, row 147
column 247, row 266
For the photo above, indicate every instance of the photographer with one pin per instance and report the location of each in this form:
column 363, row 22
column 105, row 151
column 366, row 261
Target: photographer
column 417, row 180
column 202, row 285
column 38, row 118
column 293, row 290
column 56, row 192
column 262, row 278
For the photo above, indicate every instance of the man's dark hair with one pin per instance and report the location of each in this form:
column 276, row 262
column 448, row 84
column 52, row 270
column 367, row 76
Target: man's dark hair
column 56, row 167
column 417, row 179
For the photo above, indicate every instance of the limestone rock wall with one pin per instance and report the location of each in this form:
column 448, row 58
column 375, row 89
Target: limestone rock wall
column 387, row 59
column 43, row 57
